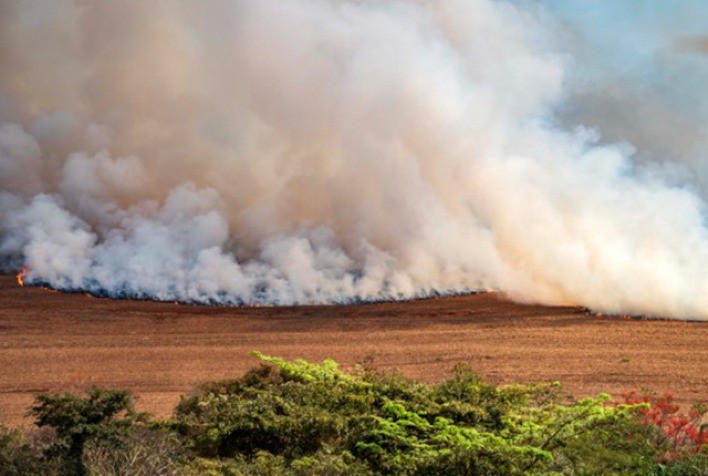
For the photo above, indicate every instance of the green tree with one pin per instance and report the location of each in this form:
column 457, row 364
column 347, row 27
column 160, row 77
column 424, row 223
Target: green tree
column 103, row 414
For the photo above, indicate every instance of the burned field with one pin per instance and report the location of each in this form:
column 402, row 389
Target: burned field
column 159, row 351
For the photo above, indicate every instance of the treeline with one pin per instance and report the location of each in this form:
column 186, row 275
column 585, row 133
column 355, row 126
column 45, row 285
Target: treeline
column 299, row 418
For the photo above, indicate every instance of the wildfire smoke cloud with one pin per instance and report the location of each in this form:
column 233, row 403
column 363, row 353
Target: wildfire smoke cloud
column 317, row 151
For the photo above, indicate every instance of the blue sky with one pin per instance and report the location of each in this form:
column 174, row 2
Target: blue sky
column 630, row 77
column 630, row 34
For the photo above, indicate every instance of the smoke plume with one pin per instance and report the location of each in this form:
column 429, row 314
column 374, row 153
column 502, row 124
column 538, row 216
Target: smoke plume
column 319, row 151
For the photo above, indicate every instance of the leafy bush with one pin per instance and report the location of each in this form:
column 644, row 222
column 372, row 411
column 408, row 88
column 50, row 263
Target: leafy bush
column 299, row 418
column 293, row 410
column 676, row 433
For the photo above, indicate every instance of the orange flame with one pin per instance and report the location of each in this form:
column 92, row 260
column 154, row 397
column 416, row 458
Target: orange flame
column 21, row 277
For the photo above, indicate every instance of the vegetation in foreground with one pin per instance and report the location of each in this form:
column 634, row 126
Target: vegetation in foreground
column 299, row 418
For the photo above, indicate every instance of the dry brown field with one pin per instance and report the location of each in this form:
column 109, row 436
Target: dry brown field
column 58, row 342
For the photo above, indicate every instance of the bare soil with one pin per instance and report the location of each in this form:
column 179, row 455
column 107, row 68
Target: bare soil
column 58, row 342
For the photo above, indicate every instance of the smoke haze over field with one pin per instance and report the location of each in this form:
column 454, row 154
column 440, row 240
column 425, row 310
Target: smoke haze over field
column 316, row 151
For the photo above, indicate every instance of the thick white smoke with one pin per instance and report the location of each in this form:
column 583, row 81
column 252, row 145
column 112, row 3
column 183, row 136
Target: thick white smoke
column 302, row 151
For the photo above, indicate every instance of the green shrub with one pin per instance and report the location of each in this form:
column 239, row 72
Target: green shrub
column 299, row 418
column 292, row 410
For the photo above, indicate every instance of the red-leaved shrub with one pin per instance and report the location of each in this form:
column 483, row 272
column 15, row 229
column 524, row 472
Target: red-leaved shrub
column 676, row 431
